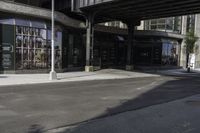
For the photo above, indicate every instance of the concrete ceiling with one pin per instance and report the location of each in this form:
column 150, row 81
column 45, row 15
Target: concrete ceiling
column 138, row 9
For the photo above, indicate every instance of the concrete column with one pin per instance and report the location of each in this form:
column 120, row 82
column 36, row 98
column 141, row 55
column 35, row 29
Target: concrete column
column 183, row 50
column 89, row 44
column 129, row 63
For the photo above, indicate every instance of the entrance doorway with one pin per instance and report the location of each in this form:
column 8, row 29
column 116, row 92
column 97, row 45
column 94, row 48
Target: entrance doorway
column 148, row 55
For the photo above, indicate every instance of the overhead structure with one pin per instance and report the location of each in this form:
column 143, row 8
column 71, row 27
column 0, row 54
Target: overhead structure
column 141, row 9
column 130, row 12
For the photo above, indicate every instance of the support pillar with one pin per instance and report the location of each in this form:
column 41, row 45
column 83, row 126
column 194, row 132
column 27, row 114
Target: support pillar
column 89, row 44
column 129, row 62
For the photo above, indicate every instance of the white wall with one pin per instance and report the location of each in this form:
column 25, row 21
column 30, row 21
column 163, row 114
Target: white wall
column 183, row 52
column 197, row 33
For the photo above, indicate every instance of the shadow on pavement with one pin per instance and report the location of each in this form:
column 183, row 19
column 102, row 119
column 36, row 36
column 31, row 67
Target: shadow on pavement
column 175, row 72
column 3, row 76
column 35, row 129
column 171, row 90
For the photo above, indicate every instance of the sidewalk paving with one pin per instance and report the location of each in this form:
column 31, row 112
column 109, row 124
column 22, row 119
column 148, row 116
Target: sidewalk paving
column 179, row 72
column 22, row 79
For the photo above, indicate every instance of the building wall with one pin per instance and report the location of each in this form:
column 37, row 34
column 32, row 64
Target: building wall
column 197, row 33
column 141, row 27
column 75, row 42
column 183, row 52
column 190, row 23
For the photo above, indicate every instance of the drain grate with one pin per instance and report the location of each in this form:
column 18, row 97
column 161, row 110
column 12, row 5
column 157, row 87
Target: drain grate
column 193, row 103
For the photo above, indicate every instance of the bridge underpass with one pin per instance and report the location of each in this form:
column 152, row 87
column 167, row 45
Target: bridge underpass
column 129, row 12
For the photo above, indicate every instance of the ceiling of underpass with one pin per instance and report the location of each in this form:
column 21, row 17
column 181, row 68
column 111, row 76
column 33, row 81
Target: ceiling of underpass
column 140, row 9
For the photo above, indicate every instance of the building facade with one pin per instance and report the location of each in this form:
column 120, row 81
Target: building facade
column 25, row 42
column 173, row 49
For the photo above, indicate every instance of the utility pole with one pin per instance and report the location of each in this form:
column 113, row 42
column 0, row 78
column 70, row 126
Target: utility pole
column 53, row 75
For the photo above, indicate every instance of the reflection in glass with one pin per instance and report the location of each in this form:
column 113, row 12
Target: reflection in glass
column 33, row 48
column 170, row 54
column 58, row 44
column 171, row 24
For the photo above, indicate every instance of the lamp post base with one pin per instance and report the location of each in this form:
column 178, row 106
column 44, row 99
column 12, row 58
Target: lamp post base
column 89, row 69
column 53, row 75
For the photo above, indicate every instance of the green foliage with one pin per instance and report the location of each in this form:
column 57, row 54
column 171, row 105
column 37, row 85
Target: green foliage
column 190, row 40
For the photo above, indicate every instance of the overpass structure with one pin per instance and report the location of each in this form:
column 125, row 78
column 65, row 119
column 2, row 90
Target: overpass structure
column 130, row 12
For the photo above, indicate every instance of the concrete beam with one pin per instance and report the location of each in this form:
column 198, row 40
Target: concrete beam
column 22, row 9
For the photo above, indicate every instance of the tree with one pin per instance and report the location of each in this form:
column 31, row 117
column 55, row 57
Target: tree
column 190, row 40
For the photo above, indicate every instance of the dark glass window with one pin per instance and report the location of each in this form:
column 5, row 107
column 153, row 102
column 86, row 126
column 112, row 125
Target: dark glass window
column 170, row 53
column 172, row 24
column 33, row 48
column 190, row 22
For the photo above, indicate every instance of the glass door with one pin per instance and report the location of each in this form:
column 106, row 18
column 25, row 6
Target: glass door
column 7, row 47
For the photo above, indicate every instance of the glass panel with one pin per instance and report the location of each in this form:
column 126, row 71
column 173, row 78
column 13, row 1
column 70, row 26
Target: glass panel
column 58, row 44
column 22, row 22
column 171, row 24
column 161, row 27
column 31, row 49
column 170, row 53
column 153, row 21
column 7, row 21
column 37, row 24
column 58, row 52
column 153, row 27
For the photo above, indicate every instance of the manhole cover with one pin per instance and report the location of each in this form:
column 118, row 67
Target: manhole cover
column 193, row 103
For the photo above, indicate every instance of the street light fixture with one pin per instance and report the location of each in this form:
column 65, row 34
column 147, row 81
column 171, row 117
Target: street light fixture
column 53, row 74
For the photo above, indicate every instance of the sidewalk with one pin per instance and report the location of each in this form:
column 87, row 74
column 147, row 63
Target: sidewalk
column 179, row 72
column 22, row 79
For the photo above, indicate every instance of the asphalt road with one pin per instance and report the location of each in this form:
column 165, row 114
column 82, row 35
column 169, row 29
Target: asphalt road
column 34, row 108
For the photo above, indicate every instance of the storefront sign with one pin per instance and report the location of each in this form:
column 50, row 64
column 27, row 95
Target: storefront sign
column 7, row 61
column 7, row 55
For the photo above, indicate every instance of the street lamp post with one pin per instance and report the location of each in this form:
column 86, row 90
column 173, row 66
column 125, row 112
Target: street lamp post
column 53, row 75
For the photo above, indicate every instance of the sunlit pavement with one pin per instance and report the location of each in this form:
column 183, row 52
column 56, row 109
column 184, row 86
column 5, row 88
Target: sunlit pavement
column 24, row 79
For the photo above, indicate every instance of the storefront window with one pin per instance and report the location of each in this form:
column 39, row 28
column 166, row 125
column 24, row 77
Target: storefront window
column 170, row 52
column 76, row 57
column 58, row 45
column 172, row 24
column 190, row 23
column 33, row 46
